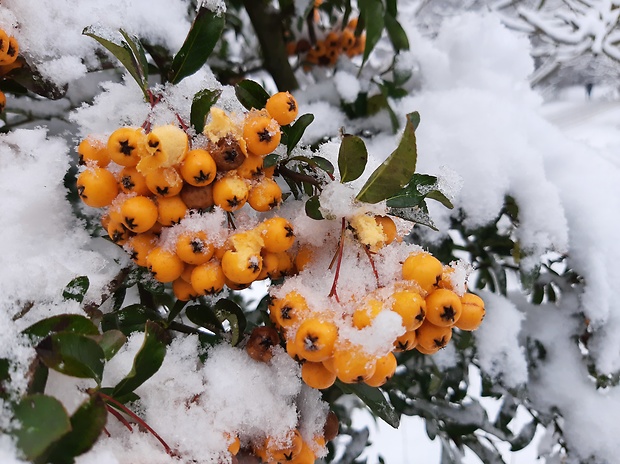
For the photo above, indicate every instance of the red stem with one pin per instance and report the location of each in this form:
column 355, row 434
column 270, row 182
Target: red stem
column 138, row 420
column 333, row 292
column 372, row 264
column 119, row 416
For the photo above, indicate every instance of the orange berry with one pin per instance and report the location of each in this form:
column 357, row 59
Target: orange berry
column 97, row 187
column 11, row 53
column 270, row 266
column 411, row 307
column 282, row 107
column 388, row 227
column 230, row 193
column 431, row 336
column 2, row 101
column 198, row 168
column 183, row 290
column 347, row 39
column 443, row 307
column 117, row 232
column 265, row 195
column 385, row 368
column 234, row 446
column 424, row 269
column 316, row 375
column 93, row 151
column 194, row 247
column 251, row 168
column 290, row 310
column 278, row 452
column 241, row 268
column 423, row 350
column 315, row 339
column 139, row 247
column 352, row 364
column 164, row 264
column 131, row 180
column 165, row 182
column 261, row 134
column 364, row 316
column 277, row 234
column 127, row 145
column 170, row 210
column 303, row 257
column 406, row 341
column 208, row 278
column 473, row 312
column 138, row 213
column 305, row 456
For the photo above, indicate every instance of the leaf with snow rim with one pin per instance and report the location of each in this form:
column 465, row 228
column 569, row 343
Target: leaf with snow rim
column 352, row 158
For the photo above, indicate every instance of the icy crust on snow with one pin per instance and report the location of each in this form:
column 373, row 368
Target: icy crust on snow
column 199, row 408
column 50, row 35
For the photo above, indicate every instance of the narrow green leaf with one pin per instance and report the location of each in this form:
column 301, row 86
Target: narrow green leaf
column 72, row 354
column 374, row 399
column 139, row 56
column 76, row 289
column 129, row 319
column 396, row 171
column 110, row 342
column 35, row 435
column 147, row 361
column 251, row 94
column 228, row 310
column 316, row 162
column 204, row 316
column 396, row 33
column 352, row 158
column 201, row 104
column 371, row 12
column 176, row 310
column 199, row 43
column 73, row 323
column 87, row 423
column 296, row 131
column 312, row 208
column 123, row 53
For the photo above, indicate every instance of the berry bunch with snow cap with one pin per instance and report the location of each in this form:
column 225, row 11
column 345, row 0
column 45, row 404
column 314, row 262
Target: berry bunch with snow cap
column 386, row 296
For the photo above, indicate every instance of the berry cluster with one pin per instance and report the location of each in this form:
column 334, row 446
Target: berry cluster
column 330, row 341
column 8, row 56
column 153, row 180
column 326, row 51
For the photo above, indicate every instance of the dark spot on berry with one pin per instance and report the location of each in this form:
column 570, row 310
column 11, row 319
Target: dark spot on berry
column 197, row 246
column 275, row 202
column 448, row 313
column 310, row 342
column 285, row 312
column 289, row 231
column 254, row 267
column 421, row 315
column 81, row 190
column 126, row 149
column 153, row 143
column 127, row 183
column 162, row 190
column 264, row 135
column 440, row 342
column 233, row 202
column 291, row 105
column 202, row 177
column 130, row 222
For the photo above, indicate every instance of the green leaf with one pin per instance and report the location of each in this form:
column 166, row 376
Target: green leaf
column 251, row 94
column 72, row 354
column 270, row 160
column 312, row 207
column 28, row 77
column 371, row 12
column 385, row 93
column 122, row 51
column 352, row 157
column 201, row 104
column 396, row 171
column 396, row 33
column 76, row 289
column 296, row 131
column 35, row 435
column 199, row 43
column 525, row 436
column 176, row 310
column 204, row 316
column 87, row 423
column 415, row 214
column 129, row 319
column 110, row 342
column 139, row 56
column 374, row 399
column 73, row 323
column 416, row 191
column 147, row 361
column 316, row 162
column 228, row 310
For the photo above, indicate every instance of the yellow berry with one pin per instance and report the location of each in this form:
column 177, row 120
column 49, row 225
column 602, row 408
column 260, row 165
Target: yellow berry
column 251, row 168
column 265, row 195
column 316, row 375
column 164, row 264
column 194, row 247
column 183, row 290
column 473, row 312
column 139, row 247
column 127, row 145
column 92, row 150
column 170, row 210
column 384, row 370
column 315, row 339
column 352, row 364
column 406, row 341
column 290, row 310
column 411, row 307
column 261, row 134
column 241, row 268
column 131, row 180
column 97, row 187
column 230, row 193
column 424, row 269
column 198, row 168
column 443, row 307
column 282, row 107
column 364, row 316
column 138, row 213
column 165, row 182
column 430, row 336
column 208, row 278
column 277, row 233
